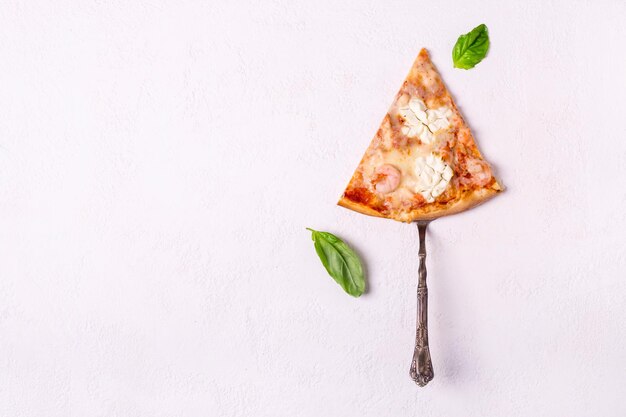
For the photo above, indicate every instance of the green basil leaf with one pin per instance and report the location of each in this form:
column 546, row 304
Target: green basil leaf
column 471, row 48
column 341, row 263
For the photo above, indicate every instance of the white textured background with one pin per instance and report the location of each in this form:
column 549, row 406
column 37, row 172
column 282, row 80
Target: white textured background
column 160, row 160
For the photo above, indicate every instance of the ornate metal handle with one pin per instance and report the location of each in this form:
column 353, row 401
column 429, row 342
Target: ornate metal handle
column 421, row 367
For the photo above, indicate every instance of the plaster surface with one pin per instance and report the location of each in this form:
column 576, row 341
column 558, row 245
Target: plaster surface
column 160, row 160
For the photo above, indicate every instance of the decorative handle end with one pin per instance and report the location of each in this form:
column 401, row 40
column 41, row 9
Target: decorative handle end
column 421, row 367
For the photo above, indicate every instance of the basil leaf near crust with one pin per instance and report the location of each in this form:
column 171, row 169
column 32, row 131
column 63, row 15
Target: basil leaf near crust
column 471, row 48
column 341, row 263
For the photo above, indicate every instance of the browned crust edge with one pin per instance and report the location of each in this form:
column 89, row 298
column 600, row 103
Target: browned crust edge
column 467, row 202
column 361, row 208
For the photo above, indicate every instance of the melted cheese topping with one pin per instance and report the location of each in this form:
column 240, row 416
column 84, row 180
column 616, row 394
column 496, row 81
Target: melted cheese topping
column 421, row 170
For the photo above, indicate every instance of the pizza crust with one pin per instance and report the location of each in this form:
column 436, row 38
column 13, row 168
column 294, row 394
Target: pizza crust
column 469, row 200
column 358, row 207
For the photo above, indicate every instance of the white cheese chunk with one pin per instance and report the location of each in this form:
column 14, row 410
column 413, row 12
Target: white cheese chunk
column 433, row 176
column 417, row 105
column 421, row 122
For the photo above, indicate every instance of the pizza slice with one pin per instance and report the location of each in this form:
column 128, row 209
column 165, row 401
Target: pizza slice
column 423, row 162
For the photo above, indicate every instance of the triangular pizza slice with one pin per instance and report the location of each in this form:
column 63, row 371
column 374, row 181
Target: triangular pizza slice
column 423, row 162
